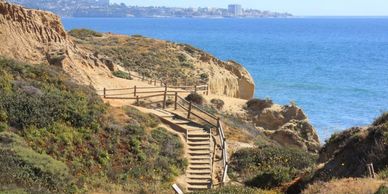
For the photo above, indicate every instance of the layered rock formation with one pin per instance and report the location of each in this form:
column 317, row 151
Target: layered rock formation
column 225, row 78
column 38, row 37
column 288, row 125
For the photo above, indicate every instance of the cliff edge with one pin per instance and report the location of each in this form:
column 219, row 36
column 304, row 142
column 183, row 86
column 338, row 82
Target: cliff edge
column 38, row 37
column 175, row 64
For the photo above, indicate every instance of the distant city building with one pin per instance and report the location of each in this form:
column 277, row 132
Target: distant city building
column 103, row 3
column 235, row 10
column 104, row 8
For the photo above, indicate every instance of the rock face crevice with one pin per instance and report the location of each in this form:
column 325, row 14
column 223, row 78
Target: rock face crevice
column 37, row 36
column 227, row 78
column 288, row 125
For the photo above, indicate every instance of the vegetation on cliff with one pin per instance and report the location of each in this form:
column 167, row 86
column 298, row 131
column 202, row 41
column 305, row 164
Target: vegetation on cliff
column 60, row 137
column 269, row 166
column 347, row 154
column 175, row 64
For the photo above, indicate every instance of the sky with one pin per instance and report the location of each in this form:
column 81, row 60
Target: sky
column 296, row 7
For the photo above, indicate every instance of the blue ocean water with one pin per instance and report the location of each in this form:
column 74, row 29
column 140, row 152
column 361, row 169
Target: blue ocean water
column 336, row 69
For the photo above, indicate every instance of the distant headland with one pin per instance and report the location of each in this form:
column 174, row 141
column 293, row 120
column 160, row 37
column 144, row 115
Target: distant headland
column 103, row 8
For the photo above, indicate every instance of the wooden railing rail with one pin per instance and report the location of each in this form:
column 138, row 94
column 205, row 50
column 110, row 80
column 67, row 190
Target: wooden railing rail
column 179, row 102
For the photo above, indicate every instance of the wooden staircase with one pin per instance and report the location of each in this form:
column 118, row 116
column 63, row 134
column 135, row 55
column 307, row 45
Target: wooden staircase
column 187, row 119
column 199, row 171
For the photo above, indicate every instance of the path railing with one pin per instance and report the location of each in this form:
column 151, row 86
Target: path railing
column 156, row 82
column 134, row 92
column 192, row 110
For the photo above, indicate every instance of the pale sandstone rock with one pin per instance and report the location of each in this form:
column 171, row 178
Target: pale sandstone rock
column 38, row 37
column 288, row 125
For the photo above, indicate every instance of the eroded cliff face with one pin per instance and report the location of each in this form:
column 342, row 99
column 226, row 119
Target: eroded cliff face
column 174, row 63
column 288, row 125
column 38, row 37
column 225, row 78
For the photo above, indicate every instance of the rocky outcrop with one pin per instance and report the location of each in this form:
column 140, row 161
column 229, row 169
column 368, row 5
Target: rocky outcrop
column 175, row 64
column 38, row 37
column 288, row 125
column 225, row 78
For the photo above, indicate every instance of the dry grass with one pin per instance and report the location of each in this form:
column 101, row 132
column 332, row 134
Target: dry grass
column 348, row 186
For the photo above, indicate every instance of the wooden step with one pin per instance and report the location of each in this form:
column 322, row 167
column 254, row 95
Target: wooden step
column 199, row 148
column 199, row 143
column 197, row 187
column 199, row 181
column 192, row 139
column 200, row 167
column 198, row 135
column 207, row 171
column 198, row 177
column 199, row 152
column 193, row 162
column 196, row 157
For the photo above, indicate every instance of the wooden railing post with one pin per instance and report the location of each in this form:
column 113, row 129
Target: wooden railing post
column 104, row 92
column 134, row 91
column 155, row 83
column 207, row 90
column 165, row 97
column 189, row 111
column 195, row 88
column 137, row 101
column 176, row 101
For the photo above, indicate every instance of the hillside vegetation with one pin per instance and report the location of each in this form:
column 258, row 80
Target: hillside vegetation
column 269, row 166
column 149, row 57
column 59, row 137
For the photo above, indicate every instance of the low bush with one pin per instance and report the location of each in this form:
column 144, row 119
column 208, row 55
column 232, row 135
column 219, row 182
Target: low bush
column 258, row 105
column 235, row 190
column 86, row 146
column 269, row 166
column 383, row 174
column 122, row 74
column 382, row 190
column 383, row 118
column 142, row 119
column 84, row 33
column 195, row 98
column 218, row 103
column 27, row 169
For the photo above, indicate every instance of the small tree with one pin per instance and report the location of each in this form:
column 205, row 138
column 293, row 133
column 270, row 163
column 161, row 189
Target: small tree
column 195, row 98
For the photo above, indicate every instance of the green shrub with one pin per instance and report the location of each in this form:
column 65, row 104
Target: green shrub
column 30, row 170
column 383, row 174
column 235, row 190
column 70, row 123
column 258, row 105
column 383, row 118
column 84, row 33
column 268, row 167
column 3, row 126
column 145, row 120
column 382, row 190
column 122, row 74
column 42, row 95
column 219, row 104
column 204, row 76
column 195, row 98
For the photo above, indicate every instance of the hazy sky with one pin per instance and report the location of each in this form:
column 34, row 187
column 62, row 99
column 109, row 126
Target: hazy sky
column 297, row 7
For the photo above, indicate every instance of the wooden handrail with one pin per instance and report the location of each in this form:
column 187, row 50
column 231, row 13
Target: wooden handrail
column 192, row 110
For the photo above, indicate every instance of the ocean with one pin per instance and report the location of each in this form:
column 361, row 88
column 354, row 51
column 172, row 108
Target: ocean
column 335, row 69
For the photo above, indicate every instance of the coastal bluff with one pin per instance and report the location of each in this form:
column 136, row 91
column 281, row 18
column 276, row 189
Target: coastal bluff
column 174, row 63
column 37, row 37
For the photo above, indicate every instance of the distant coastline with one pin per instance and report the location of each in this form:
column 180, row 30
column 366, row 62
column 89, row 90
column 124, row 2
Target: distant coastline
column 104, row 8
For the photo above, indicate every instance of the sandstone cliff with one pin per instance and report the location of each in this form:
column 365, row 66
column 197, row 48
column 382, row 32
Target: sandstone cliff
column 38, row 37
column 288, row 125
column 176, row 64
